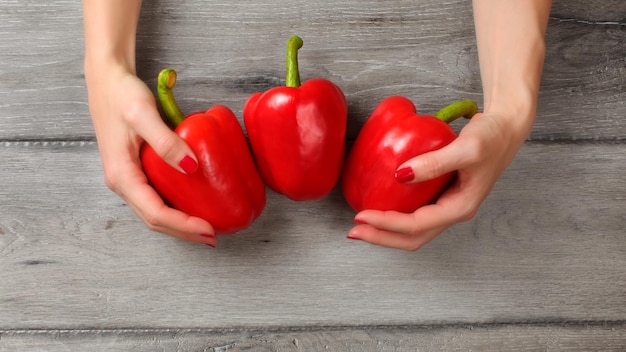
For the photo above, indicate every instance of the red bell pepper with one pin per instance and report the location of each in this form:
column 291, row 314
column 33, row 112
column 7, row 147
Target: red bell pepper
column 226, row 190
column 393, row 134
column 297, row 133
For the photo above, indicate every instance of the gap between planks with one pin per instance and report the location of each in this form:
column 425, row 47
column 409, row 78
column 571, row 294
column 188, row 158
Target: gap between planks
column 606, row 324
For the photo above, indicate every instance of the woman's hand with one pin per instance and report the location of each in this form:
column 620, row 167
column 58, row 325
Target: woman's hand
column 484, row 148
column 511, row 50
column 124, row 115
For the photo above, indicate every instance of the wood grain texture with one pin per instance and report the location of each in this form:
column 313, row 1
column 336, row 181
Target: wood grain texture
column 598, row 337
column 601, row 12
column 225, row 51
column 548, row 245
column 42, row 92
column 541, row 267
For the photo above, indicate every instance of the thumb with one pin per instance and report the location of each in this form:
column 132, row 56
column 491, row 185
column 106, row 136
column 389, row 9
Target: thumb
column 433, row 164
column 167, row 144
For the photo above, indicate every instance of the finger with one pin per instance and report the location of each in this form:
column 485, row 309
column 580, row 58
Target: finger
column 151, row 209
column 390, row 239
column 178, row 224
column 168, row 145
column 454, row 156
column 424, row 219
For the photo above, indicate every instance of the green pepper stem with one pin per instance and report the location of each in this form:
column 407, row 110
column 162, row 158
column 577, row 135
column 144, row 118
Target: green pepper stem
column 293, row 72
column 463, row 108
column 165, row 84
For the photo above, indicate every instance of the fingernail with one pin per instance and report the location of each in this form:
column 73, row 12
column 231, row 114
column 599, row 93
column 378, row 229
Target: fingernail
column 359, row 221
column 353, row 238
column 188, row 165
column 404, row 175
column 208, row 235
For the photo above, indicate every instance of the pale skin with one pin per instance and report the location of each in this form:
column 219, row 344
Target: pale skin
column 124, row 115
column 511, row 50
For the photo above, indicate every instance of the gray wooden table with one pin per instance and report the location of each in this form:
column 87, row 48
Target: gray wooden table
column 541, row 267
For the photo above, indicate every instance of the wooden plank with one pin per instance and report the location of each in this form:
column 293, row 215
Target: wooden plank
column 589, row 11
column 42, row 91
column 542, row 266
column 604, row 337
column 371, row 49
column 583, row 91
column 547, row 246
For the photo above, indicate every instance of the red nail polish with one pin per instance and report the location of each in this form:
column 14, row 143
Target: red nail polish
column 210, row 245
column 353, row 238
column 188, row 165
column 404, row 175
column 359, row 221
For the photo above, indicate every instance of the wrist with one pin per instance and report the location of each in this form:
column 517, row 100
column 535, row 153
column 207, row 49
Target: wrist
column 109, row 30
column 100, row 68
column 516, row 104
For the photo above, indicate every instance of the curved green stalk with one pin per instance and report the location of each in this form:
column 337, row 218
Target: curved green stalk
column 165, row 84
column 293, row 72
column 463, row 108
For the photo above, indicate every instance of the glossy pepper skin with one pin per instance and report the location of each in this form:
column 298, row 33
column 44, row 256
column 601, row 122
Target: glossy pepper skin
column 393, row 134
column 226, row 190
column 297, row 133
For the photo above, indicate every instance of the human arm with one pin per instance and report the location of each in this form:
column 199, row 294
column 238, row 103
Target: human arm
column 124, row 115
column 511, row 49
